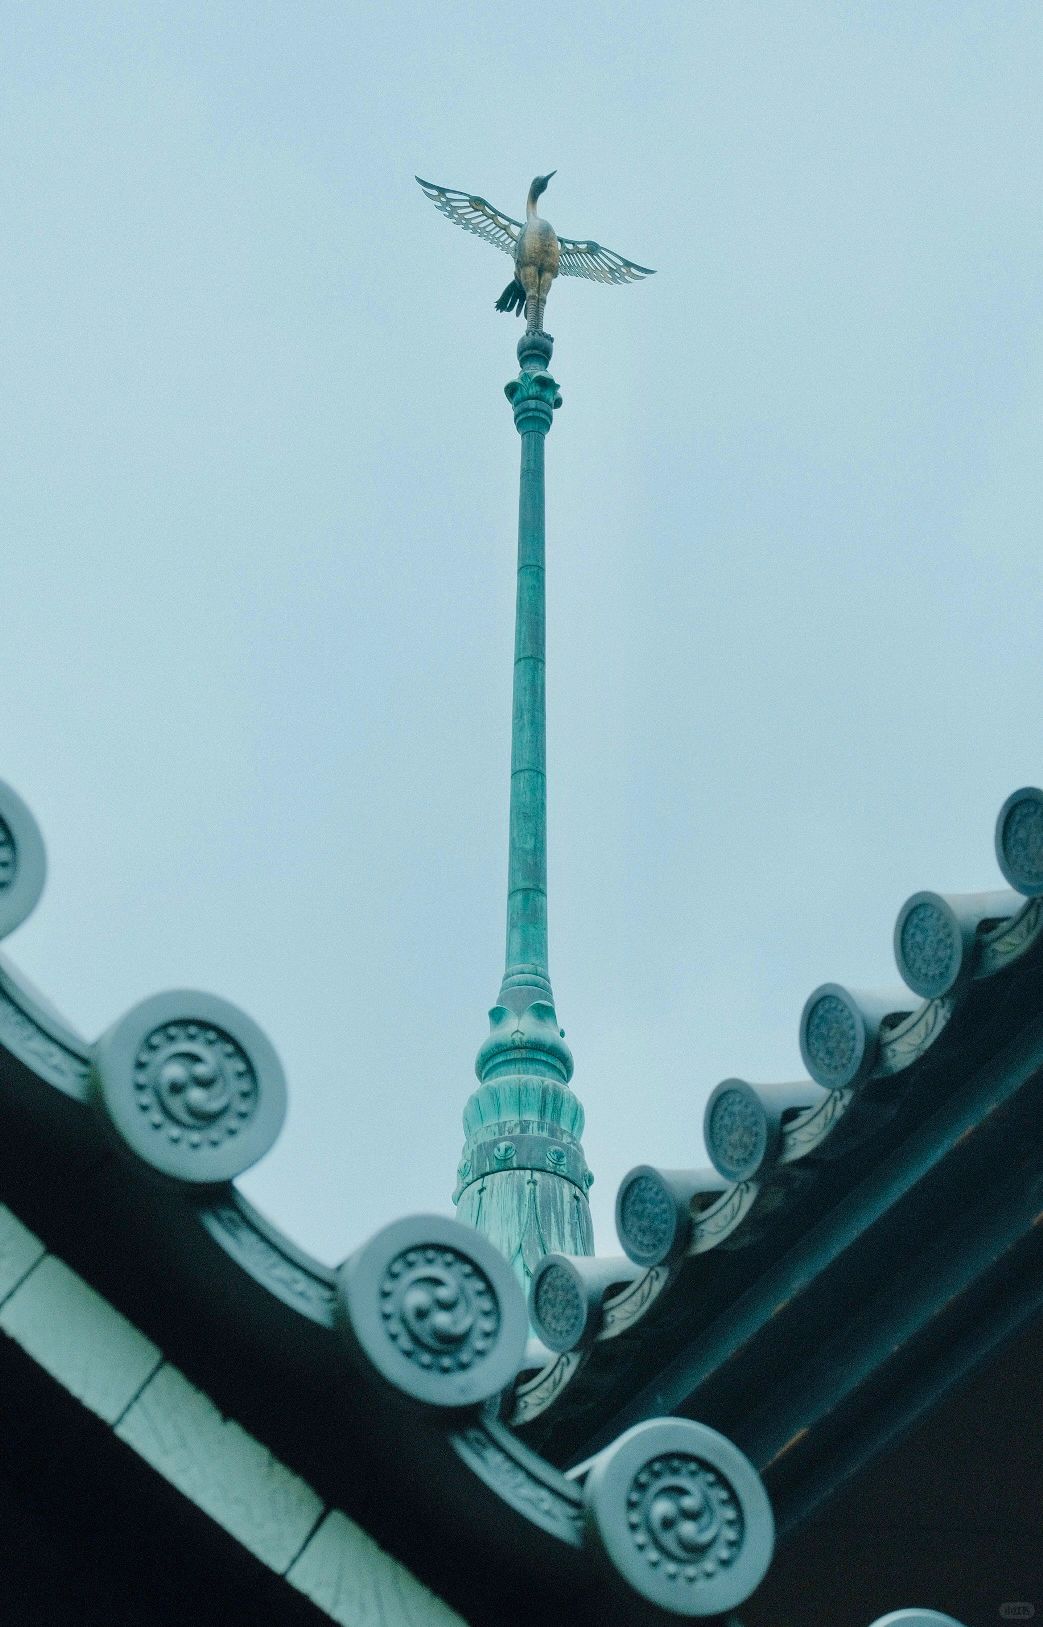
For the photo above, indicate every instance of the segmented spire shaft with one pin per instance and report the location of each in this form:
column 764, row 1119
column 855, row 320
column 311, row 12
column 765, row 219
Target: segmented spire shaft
column 523, row 1178
column 526, row 958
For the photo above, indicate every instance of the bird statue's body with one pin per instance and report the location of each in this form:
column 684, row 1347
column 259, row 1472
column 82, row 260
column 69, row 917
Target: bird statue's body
column 539, row 254
column 537, row 260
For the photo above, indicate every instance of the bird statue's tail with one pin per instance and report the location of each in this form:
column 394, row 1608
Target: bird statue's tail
column 512, row 298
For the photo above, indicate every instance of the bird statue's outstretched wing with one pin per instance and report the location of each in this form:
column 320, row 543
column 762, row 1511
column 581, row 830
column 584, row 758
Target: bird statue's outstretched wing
column 586, row 259
column 474, row 215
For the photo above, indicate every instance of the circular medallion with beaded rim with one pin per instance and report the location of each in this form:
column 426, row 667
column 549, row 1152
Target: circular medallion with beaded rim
column 928, row 944
column 647, row 1221
column 736, row 1130
column 191, row 1085
column 834, row 1040
column 436, row 1310
column 682, row 1515
column 557, row 1304
column 23, row 863
column 1019, row 840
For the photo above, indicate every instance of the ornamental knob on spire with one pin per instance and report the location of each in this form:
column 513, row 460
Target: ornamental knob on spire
column 539, row 253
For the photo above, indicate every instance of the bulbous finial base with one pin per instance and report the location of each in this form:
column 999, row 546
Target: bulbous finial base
column 523, row 1179
column 535, row 349
column 532, row 1034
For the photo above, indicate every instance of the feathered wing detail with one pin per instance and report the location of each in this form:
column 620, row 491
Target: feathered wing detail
column 586, row 259
column 474, row 215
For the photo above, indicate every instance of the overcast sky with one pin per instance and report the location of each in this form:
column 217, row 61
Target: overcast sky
column 258, row 509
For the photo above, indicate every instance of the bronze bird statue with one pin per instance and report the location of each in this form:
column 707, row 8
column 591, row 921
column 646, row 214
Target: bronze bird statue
column 539, row 253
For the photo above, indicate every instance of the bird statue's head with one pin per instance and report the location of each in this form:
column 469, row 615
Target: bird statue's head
column 539, row 184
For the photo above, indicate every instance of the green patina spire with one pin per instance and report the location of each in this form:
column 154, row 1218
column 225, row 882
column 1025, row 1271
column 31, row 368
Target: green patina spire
column 523, row 1179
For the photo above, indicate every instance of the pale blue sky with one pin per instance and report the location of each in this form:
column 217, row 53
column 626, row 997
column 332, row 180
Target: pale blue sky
column 257, row 525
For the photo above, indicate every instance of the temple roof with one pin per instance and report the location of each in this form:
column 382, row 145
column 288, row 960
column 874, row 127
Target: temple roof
column 864, row 1240
column 864, row 1245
